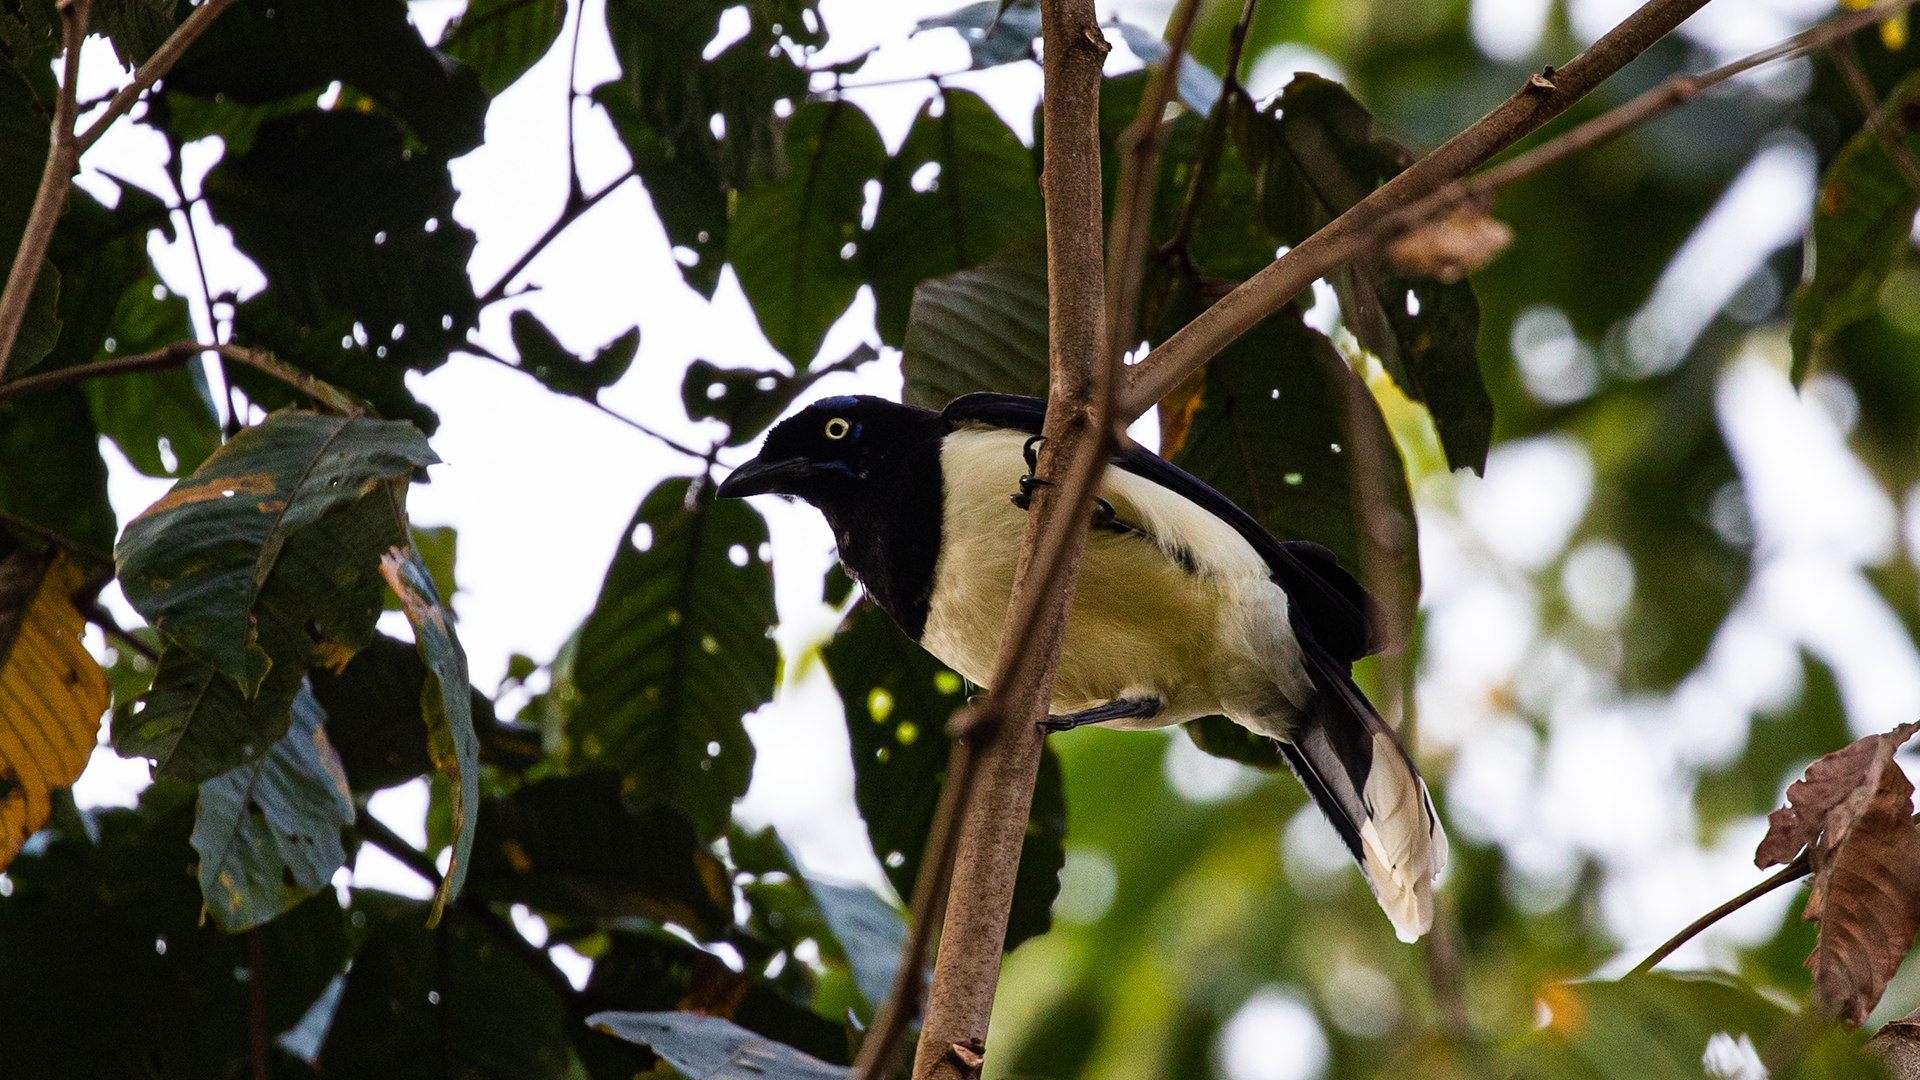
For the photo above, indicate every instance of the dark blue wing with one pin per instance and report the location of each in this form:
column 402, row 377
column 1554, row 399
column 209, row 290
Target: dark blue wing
column 1325, row 600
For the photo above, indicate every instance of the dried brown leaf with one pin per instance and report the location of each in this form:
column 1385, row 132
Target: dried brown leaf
column 1847, row 776
column 1450, row 248
column 1866, row 894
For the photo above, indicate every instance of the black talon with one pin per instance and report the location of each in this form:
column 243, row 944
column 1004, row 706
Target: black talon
column 1024, row 499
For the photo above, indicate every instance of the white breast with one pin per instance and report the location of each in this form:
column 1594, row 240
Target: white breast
column 1210, row 639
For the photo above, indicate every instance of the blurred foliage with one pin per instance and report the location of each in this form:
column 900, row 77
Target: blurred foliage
column 1161, row 886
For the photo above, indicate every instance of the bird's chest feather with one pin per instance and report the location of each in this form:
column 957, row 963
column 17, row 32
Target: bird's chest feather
column 1170, row 609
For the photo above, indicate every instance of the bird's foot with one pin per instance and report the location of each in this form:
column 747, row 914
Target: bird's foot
column 1140, row 708
column 1028, row 483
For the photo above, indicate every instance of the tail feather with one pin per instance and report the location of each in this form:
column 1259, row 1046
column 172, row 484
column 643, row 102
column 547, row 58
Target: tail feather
column 1362, row 779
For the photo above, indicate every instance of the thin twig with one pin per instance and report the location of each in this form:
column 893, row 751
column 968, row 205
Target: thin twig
column 173, row 356
column 1800, row 867
column 150, row 72
column 51, row 197
column 102, row 618
column 936, row 78
column 323, row 392
column 575, row 193
column 568, row 216
column 86, row 551
column 1543, row 98
column 1206, row 168
column 474, row 348
column 1847, row 59
column 1140, row 147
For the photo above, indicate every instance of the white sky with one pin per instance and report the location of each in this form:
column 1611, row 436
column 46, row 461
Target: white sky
column 541, row 486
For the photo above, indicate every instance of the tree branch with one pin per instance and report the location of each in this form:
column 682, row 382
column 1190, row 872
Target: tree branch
column 1847, row 59
column 156, row 66
column 992, row 805
column 51, row 198
column 172, row 356
column 574, row 209
column 1800, row 867
column 1140, row 147
column 472, row 348
column 1543, row 98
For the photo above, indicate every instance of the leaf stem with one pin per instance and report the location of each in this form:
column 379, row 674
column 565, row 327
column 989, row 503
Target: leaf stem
column 568, row 216
column 1793, row 871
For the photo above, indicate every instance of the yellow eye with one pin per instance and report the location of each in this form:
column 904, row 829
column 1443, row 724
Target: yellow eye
column 838, row 428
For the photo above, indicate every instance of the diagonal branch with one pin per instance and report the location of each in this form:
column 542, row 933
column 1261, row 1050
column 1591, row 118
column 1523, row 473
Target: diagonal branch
column 574, row 209
column 1847, row 59
column 1543, row 98
column 150, row 72
column 172, row 356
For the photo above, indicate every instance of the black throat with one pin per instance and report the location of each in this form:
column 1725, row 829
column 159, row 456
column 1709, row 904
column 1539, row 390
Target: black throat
column 889, row 535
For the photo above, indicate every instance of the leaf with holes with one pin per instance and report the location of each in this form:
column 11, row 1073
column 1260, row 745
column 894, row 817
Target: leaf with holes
column 898, row 700
column 960, row 190
column 979, row 329
column 501, row 39
column 542, row 355
column 1286, row 430
column 1862, row 219
column 710, row 1048
column 446, row 703
column 1852, row 812
column 795, row 242
column 51, row 691
column 268, row 832
column 568, row 846
column 329, row 352
column 676, row 652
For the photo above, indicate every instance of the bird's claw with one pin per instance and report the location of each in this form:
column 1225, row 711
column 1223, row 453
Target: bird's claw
column 1028, row 483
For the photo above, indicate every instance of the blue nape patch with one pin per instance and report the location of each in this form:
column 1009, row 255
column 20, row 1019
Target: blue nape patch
column 844, row 401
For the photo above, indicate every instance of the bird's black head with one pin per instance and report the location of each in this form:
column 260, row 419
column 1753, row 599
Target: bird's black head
column 826, row 452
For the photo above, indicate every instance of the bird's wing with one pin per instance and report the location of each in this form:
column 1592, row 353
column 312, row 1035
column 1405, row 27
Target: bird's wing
column 1325, row 600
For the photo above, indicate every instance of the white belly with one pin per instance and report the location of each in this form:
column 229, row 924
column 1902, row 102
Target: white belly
column 1213, row 639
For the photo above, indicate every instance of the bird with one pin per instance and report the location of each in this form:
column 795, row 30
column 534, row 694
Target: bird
column 1186, row 606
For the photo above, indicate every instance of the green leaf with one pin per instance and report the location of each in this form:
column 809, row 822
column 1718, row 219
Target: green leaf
column 1315, row 160
column 194, row 562
column 710, row 1048
column 268, row 833
column 542, row 355
column 184, row 118
column 329, row 352
column 747, row 400
column 100, row 253
column 23, row 156
column 569, row 846
column 116, row 925
column 164, row 421
column 353, row 230
column 795, row 242
column 676, row 652
column 30, row 37
column 501, row 39
column 1287, row 431
column 979, row 329
column 451, row 1001
column 1221, row 737
column 996, row 31
column 257, row 54
column 872, row 935
column 439, row 546
column 1862, row 219
column 195, row 723
column 373, row 714
column 446, row 703
column 1645, row 1026
column 898, row 700
column 135, row 27
column 65, row 489
column 961, row 189
column 688, row 191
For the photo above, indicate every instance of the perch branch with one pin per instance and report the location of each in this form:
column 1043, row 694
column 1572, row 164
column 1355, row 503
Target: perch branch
column 172, row 356
column 574, row 209
column 1544, row 97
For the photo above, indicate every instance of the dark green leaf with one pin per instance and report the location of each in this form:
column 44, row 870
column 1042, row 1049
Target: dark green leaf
column 353, row 230
column 1648, row 1027
column 194, row 723
column 448, row 1001
column 23, row 156
column 676, row 652
column 184, row 118
column 961, row 189
column 795, row 242
column 542, row 355
column 710, row 1048
column 1317, row 159
column 569, row 846
column 979, row 329
column 871, row 934
column 50, row 467
column 1287, row 431
column 257, row 54
column 898, row 700
column 116, row 926
column 373, row 714
column 700, row 130
column 747, row 399
column 1862, row 219
column 328, row 351
column 995, row 32
column 446, row 703
column 101, row 253
column 194, row 562
column 30, row 39
column 164, row 421
column 268, row 833
column 136, row 27
column 501, row 39
column 439, row 546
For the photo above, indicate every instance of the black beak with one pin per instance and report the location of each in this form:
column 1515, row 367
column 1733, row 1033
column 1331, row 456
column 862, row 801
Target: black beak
column 760, row 476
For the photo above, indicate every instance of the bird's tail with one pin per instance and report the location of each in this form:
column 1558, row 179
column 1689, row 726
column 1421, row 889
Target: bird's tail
column 1358, row 774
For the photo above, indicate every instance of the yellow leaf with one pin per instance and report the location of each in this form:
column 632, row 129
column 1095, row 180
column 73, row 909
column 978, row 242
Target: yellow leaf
column 52, row 693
